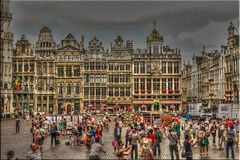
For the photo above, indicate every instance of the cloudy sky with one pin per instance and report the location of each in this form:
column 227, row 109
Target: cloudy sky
column 187, row 25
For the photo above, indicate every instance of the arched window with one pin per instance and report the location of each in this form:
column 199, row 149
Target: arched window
column 68, row 88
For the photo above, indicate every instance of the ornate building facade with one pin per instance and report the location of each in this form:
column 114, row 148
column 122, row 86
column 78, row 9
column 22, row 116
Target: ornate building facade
column 44, row 71
column 70, row 77
column 215, row 75
column 24, row 73
column 6, row 87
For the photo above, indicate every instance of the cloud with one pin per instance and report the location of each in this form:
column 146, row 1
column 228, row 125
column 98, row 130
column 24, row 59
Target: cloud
column 186, row 25
column 213, row 34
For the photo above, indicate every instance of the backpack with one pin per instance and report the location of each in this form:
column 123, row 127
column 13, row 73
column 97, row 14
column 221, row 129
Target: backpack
column 53, row 129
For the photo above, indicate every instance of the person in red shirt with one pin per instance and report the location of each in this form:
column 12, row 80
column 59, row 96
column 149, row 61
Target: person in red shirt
column 152, row 136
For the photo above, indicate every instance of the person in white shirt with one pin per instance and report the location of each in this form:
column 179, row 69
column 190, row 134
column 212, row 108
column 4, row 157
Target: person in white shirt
column 34, row 153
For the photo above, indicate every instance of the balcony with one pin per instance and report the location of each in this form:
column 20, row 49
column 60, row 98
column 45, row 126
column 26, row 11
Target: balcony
column 228, row 92
column 176, row 91
column 170, row 91
column 164, row 91
column 136, row 91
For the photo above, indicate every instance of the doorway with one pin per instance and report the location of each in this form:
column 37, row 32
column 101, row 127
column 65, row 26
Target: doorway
column 69, row 109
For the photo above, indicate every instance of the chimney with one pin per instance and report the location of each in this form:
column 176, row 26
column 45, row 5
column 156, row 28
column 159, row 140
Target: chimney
column 82, row 42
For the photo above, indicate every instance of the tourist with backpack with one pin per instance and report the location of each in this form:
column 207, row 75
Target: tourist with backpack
column 53, row 133
column 230, row 141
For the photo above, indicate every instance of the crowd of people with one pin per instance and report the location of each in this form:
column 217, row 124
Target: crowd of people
column 139, row 139
column 144, row 136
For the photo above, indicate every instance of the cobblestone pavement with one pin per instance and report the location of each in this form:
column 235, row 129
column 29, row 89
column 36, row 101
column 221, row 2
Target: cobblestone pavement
column 20, row 144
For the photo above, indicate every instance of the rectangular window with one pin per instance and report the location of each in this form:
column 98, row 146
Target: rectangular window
column 103, row 78
column 122, row 67
column 169, row 83
column 98, row 91
column 91, row 65
column 68, row 71
column 116, row 78
column 40, row 84
column 86, row 91
column 110, row 67
column 77, row 71
column 98, row 66
column 51, row 68
column 25, row 78
column 92, row 91
column 142, row 67
column 32, row 67
column 142, row 84
column 103, row 91
column 86, row 78
column 77, row 88
column 155, row 49
column 92, row 78
column 136, row 67
column 127, row 91
column 176, row 67
column 122, row 91
column 60, row 88
column 163, row 67
column 156, row 84
column 128, row 67
column 169, row 67
column 164, row 84
column 86, row 66
column 121, row 77
column 116, row 67
column 51, row 84
column 148, row 67
column 60, row 71
column 31, row 79
column 19, row 67
column 25, row 67
column 127, row 77
column 116, row 91
column 98, row 79
column 136, row 84
column 149, row 84
column 110, row 91
column 45, row 98
column 110, row 78
column 14, row 67
column 176, row 84
column 45, row 68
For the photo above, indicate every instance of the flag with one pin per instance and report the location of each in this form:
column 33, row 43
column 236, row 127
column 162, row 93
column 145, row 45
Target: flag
column 17, row 81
